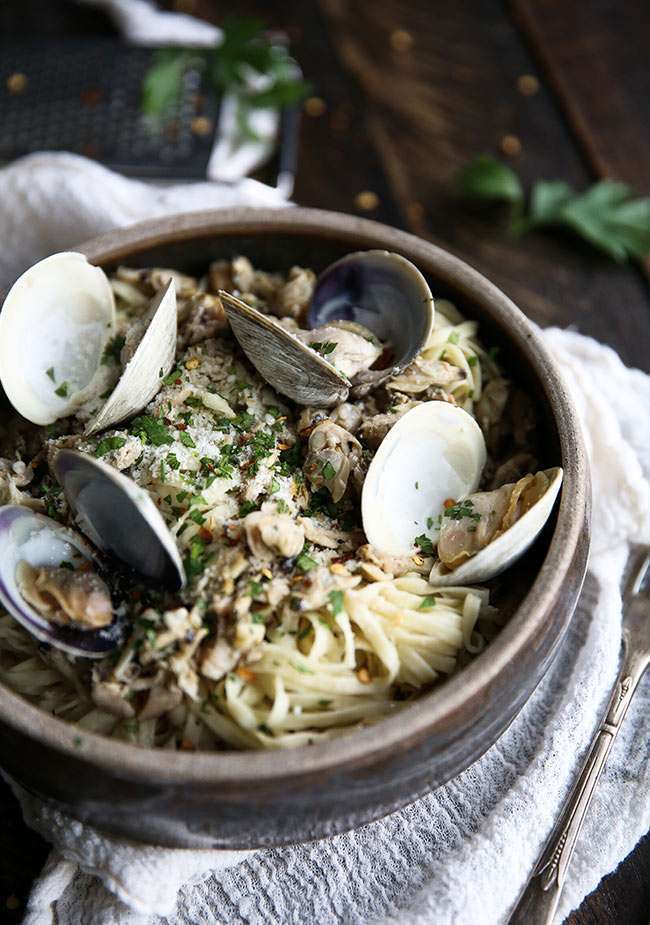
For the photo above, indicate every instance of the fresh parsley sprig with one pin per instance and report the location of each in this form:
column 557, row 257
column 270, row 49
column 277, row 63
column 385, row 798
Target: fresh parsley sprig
column 245, row 48
column 607, row 215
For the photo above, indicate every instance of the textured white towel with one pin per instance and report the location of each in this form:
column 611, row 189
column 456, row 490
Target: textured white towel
column 461, row 854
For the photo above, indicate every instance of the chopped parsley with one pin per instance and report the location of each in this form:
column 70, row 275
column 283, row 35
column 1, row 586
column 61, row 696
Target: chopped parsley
column 247, row 507
column 186, row 440
column 113, row 349
column 174, row 377
column 151, row 430
column 195, row 560
column 305, row 562
column 461, row 509
column 172, row 461
column 336, row 602
column 66, row 564
column 472, row 360
column 429, row 522
column 328, row 471
column 107, row 444
column 424, row 543
column 274, row 486
column 255, row 589
column 62, row 390
column 301, row 668
column 427, row 602
column 197, row 517
column 323, row 347
column 453, row 338
column 50, row 373
column 282, row 506
column 290, row 459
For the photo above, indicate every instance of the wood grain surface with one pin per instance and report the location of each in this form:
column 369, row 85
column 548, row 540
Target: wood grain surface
column 406, row 91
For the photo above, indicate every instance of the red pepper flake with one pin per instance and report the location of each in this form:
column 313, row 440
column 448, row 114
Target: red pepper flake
column 246, row 674
column 181, row 426
column 448, row 502
column 187, row 746
column 135, row 595
column 205, row 534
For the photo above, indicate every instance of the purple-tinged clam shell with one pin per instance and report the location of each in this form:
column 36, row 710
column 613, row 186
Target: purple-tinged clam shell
column 385, row 293
column 35, row 539
column 119, row 517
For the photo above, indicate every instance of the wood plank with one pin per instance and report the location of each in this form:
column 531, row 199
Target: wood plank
column 596, row 57
column 452, row 95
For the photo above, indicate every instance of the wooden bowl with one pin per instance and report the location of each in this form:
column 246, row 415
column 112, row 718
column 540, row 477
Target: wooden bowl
column 250, row 799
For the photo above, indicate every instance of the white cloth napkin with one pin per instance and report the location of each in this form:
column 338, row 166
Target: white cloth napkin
column 461, row 854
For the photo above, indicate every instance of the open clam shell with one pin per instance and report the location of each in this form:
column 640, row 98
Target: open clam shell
column 286, row 363
column 503, row 551
column 384, row 293
column 26, row 536
column 54, row 327
column 434, row 452
column 119, row 517
column 151, row 362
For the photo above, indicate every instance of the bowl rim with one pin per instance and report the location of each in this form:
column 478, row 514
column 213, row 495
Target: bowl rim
column 371, row 744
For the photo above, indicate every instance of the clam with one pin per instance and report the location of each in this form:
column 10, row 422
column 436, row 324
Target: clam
column 119, row 517
column 435, row 452
column 290, row 366
column 54, row 327
column 490, row 530
column 374, row 291
column 151, row 361
column 47, row 586
column 55, row 324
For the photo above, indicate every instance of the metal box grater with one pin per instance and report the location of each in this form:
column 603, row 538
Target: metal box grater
column 83, row 95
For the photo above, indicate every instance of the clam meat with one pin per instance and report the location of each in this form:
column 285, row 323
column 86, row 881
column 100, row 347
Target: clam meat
column 484, row 533
column 48, row 583
column 434, row 452
column 363, row 306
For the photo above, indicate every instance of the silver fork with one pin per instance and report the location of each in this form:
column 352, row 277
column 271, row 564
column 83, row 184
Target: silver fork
column 539, row 901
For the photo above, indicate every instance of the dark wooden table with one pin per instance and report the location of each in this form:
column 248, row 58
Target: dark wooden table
column 407, row 90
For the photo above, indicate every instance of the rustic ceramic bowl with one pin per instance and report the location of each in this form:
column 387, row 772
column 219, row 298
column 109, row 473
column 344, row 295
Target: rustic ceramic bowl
column 249, row 799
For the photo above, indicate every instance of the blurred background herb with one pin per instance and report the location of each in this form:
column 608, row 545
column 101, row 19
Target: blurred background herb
column 606, row 215
column 246, row 54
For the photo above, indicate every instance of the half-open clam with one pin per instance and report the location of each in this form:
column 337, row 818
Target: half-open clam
column 48, row 584
column 434, row 452
column 485, row 533
column 289, row 365
column 119, row 517
column 55, row 324
column 369, row 295
column 150, row 362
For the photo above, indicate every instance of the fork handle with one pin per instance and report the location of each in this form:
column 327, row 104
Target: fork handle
column 540, row 899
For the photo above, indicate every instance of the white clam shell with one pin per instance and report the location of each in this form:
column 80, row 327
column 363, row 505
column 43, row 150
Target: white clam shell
column 119, row 517
column 40, row 541
column 57, row 317
column 503, row 552
column 436, row 451
column 151, row 362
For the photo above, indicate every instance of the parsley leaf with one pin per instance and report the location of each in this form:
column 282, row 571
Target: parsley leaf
column 151, row 430
column 107, row 444
column 323, row 347
column 328, row 471
column 113, row 349
column 606, row 215
column 336, row 602
column 424, row 543
column 461, row 509
column 427, row 602
column 62, row 390
column 487, row 179
column 305, row 562
column 50, row 373
column 185, row 439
